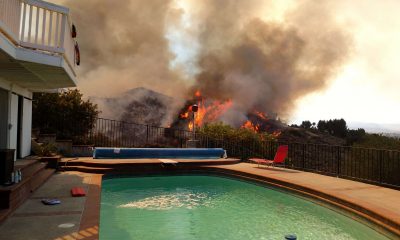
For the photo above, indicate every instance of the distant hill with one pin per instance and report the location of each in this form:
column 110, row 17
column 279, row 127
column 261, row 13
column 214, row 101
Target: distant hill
column 376, row 127
column 301, row 135
column 139, row 105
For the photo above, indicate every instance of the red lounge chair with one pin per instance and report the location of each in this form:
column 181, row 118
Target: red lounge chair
column 280, row 156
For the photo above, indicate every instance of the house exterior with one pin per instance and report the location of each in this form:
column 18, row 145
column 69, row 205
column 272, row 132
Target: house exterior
column 37, row 54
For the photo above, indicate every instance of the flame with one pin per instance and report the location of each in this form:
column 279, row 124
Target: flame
column 276, row 134
column 208, row 111
column 211, row 111
column 184, row 115
column 190, row 126
column 249, row 125
column 261, row 115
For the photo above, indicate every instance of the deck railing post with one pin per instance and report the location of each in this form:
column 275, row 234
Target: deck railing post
column 64, row 22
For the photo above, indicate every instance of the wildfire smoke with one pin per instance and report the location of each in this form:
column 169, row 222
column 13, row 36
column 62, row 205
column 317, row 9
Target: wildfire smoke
column 244, row 65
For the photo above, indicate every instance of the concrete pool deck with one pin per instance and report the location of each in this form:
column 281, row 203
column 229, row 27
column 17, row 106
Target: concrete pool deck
column 78, row 218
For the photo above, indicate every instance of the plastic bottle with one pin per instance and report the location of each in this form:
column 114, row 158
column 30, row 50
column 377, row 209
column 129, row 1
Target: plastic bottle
column 12, row 177
column 19, row 175
column 16, row 176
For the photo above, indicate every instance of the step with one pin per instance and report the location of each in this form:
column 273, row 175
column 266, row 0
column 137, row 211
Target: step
column 13, row 196
column 19, row 195
column 28, row 171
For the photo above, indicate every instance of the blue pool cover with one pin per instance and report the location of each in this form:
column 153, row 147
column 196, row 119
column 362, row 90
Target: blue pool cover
column 125, row 153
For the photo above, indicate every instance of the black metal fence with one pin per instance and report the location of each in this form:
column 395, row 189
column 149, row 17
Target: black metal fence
column 362, row 164
column 113, row 133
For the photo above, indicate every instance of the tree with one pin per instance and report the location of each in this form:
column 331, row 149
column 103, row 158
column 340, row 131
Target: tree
column 322, row 126
column 335, row 127
column 65, row 114
column 355, row 136
column 306, row 124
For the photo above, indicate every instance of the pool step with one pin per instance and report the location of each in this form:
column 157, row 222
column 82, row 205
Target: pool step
column 85, row 169
column 131, row 166
column 111, row 168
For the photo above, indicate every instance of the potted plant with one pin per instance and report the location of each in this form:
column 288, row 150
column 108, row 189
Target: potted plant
column 47, row 153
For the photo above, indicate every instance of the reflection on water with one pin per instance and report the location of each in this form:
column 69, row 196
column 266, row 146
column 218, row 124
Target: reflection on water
column 169, row 201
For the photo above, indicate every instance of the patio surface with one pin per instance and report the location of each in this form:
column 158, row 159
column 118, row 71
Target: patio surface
column 77, row 218
column 36, row 221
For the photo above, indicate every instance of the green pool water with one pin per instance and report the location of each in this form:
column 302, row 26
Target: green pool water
column 208, row 207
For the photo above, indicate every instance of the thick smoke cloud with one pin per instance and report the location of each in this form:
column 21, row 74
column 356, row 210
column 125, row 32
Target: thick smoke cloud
column 123, row 46
column 259, row 64
column 267, row 66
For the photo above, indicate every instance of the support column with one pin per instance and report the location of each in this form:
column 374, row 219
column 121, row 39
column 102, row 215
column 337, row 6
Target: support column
column 13, row 123
column 25, row 140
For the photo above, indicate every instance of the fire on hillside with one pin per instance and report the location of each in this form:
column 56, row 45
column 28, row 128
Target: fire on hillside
column 212, row 110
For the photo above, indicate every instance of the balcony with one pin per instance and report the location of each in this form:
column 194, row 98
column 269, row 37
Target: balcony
column 37, row 50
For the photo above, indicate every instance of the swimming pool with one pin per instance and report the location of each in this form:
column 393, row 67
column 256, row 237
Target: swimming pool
column 209, row 207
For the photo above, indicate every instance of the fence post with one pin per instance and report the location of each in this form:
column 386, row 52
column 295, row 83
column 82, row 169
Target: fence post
column 147, row 134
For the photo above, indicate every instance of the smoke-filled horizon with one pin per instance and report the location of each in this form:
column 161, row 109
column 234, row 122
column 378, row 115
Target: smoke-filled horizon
column 266, row 66
column 232, row 50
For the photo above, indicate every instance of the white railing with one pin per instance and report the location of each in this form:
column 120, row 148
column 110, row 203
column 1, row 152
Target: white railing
column 10, row 12
column 38, row 25
column 69, row 44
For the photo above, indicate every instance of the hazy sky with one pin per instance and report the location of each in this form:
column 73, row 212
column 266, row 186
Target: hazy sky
column 366, row 88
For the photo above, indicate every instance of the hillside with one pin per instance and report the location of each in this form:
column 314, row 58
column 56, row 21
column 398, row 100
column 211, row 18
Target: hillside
column 301, row 135
column 139, row 105
column 313, row 136
column 379, row 141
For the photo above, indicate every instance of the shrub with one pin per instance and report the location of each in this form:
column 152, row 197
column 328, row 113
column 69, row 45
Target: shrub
column 44, row 150
column 65, row 114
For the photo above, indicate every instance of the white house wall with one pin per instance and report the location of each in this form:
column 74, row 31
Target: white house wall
column 13, row 121
column 9, row 94
column 26, row 127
